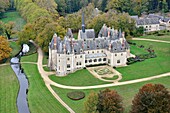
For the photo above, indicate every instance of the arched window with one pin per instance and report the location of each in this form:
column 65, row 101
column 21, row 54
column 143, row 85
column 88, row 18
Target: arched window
column 95, row 60
column 104, row 59
column 90, row 60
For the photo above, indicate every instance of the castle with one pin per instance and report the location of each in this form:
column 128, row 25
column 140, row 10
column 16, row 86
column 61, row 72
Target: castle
column 69, row 55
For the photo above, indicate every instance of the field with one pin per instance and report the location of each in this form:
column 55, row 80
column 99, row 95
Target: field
column 15, row 17
column 9, row 87
column 126, row 91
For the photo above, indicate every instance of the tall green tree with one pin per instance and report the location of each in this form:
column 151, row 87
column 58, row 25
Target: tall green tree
column 151, row 98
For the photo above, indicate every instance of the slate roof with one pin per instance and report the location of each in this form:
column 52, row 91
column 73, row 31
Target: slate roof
column 147, row 21
column 154, row 16
column 135, row 17
column 89, row 33
column 69, row 45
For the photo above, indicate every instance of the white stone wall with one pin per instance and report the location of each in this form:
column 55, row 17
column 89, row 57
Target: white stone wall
column 52, row 59
column 118, row 59
column 151, row 27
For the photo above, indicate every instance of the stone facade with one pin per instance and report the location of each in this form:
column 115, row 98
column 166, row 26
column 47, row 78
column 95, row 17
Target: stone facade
column 68, row 55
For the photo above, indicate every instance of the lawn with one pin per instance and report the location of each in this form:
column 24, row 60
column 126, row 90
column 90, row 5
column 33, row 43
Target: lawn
column 149, row 67
column 39, row 98
column 45, row 59
column 15, row 48
column 30, row 58
column 15, row 17
column 79, row 78
column 9, row 87
column 164, row 37
column 126, row 91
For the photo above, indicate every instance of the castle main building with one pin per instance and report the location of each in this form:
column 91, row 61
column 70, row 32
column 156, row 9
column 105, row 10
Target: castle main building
column 69, row 55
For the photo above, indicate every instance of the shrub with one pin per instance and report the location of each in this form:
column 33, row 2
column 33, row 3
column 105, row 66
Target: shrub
column 76, row 95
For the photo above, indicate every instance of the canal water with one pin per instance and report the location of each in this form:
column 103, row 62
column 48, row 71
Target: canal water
column 22, row 102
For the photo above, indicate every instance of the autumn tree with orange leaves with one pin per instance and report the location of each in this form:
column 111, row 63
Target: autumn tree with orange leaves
column 152, row 98
column 5, row 49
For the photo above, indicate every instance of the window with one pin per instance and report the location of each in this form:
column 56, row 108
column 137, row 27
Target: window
column 102, row 51
column 77, row 64
column 104, row 59
column 121, row 54
column 81, row 56
column 90, row 60
column 68, row 59
column 92, row 51
column 115, row 54
column 68, row 65
column 58, row 60
column 118, row 61
column 97, row 51
column 100, row 60
column 75, row 56
column 85, row 61
column 95, row 60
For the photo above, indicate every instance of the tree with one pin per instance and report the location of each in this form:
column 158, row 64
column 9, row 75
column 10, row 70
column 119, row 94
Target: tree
column 5, row 50
column 4, row 5
column 109, row 102
column 45, row 36
column 151, row 98
column 91, row 103
column 9, row 29
column 106, row 101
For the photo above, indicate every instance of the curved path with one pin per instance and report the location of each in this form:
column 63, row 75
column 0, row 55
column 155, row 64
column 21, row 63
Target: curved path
column 153, row 40
column 49, row 82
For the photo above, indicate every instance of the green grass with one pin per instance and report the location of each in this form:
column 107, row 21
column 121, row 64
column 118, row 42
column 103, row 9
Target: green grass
column 149, row 67
column 39, row 98
column 46, row 68
column 9, row 87
column 113, row 78
column 79, row 78
column 126, row 91
column 30, row 58
column 15, row 48
column 45, row 59
column 15, row 17
column 164, row 37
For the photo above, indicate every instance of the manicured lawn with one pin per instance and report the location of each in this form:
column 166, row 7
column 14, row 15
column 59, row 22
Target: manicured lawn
column 149, row 67
column 30, row 58
column 164, row 37
column 126, row 91
column 45, row 59
column 46, row 68
column 8, row 90
column 15, row 48
column 79, row 78
column 39, row 98
column 15, row 17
